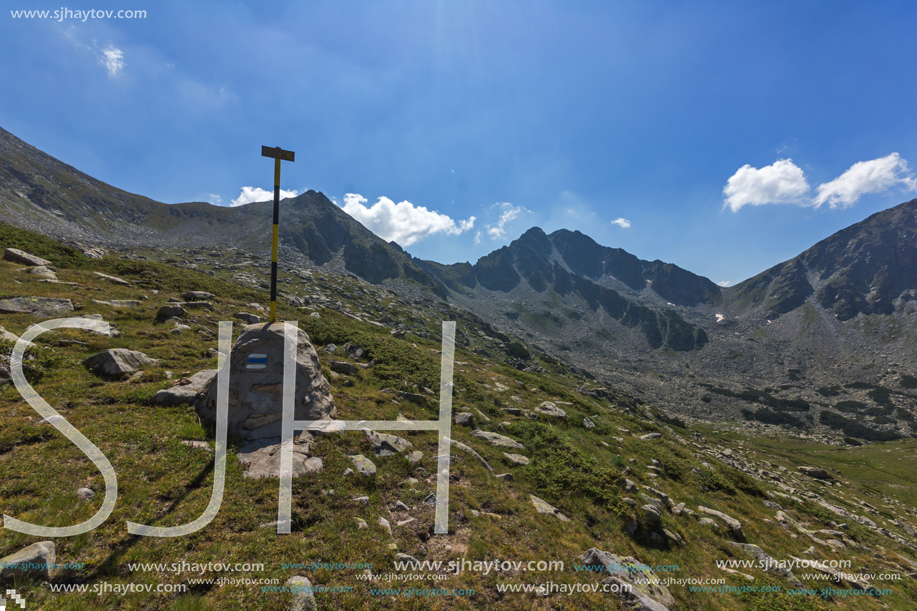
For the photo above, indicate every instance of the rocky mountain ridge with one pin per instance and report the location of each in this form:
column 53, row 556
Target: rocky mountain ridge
column 842, row 313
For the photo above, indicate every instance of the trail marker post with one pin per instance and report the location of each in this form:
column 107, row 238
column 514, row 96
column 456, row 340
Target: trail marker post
column 278, row 155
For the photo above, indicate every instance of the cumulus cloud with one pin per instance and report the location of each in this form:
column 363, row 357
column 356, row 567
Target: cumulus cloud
column 477, row 238
column 723, row 283
column 783, row 182
column 215, row 199
column 403, row 222
column 876, row 176
column 621, row 222
column 257, row 194
column 113, row 59
column 497, row 231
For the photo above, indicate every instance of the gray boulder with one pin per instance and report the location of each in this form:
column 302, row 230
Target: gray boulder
column 118, row 361
column 4, row 334
column 41, row 307
column 343, row 367
column 542, row 506
column 498, row 440
column 387, row 445
column 815, row 472
column 363, row 465
column 734, row 525
column 651, row 514
column 33, row 561
column 43, row 273
column 114, row 279
column 170, row 311
column 303, row 599
column 264, row 461
column 550, row 409
column 187, row 390
column 20, row 256
column 517, row 459
column 463, row 419
column 256, row 387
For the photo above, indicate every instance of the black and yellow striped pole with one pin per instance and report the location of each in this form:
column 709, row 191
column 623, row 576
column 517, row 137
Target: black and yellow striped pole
column 278, row 155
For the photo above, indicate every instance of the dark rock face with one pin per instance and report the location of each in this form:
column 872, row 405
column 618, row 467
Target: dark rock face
column 373, row 263
column 532, row 259
column 587, row 258
column 862, row 269
column 496, row 272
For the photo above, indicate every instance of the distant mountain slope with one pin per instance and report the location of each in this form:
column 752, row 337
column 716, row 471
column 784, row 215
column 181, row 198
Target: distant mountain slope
column 574, row 268
column 862, row 269
column 40, row 193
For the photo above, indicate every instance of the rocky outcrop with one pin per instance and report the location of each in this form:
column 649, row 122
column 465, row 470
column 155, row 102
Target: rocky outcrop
column 34, row 561
column 20, row 256
column 770, row 565
column 548, row 408
column 542, row 506
column 646, row 592
column 734, row 525
column 386, row 445
column 498, row 440
column 265, row 461
column 40, row 307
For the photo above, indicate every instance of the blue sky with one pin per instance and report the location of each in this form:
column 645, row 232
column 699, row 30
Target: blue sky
column 632, row 122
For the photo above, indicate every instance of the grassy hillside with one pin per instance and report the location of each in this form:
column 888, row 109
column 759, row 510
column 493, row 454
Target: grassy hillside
column 588, row 473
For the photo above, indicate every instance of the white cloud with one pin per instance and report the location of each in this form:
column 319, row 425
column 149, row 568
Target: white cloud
column 723, row 283
column 621, row 222
column 780, row 183
column 477, row 238
column 215, row 199
column 257, row 194
column 864, row 177
column 784, row 183
column 403, row 222
column 497, row 231
column 113, row 59
column 111, row 56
